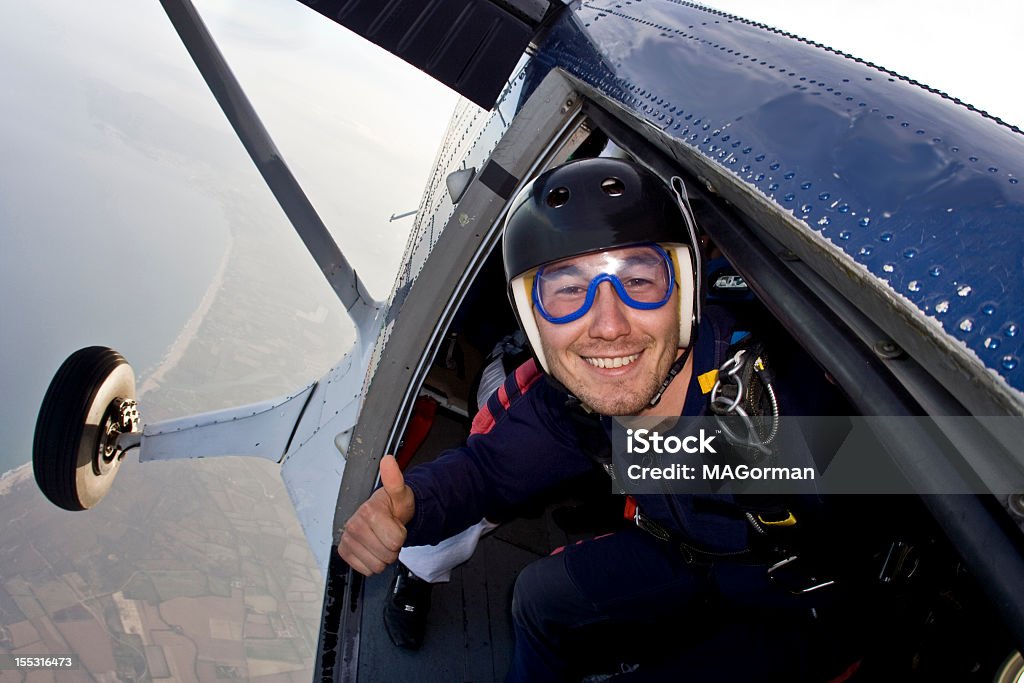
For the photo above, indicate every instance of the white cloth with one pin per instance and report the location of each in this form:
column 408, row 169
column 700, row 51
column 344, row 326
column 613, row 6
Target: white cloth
column 492, row 377
column 434, row 563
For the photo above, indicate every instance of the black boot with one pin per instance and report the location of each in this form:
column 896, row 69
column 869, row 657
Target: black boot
column 405, row 609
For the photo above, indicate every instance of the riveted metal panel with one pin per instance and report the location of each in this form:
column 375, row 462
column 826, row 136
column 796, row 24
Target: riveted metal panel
column 915, row 194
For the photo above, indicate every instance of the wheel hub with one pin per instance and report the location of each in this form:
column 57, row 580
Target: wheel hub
column 122, row 417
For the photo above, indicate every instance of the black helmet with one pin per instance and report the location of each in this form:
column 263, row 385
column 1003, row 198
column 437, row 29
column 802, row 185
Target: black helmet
column 592, row 205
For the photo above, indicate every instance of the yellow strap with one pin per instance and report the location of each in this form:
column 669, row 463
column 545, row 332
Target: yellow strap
column 790, row 520
column 707, row 381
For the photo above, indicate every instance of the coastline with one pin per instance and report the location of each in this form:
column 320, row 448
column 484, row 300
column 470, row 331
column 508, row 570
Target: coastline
column 179, row 346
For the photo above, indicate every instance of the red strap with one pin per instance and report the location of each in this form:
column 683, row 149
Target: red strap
column 525, row 376
column 562, row 548
column 847, row 673
column 423, row 412
column 630, row 511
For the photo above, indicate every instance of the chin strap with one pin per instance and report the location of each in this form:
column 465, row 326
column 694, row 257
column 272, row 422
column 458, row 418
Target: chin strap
column 676, row 368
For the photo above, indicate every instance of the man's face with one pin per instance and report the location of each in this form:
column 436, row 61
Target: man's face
column 615, row 357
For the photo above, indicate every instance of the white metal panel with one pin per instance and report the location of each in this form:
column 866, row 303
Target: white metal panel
column 261, row 430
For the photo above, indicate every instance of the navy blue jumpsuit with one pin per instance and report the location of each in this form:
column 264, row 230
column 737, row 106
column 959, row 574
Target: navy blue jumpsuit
column 523, row 442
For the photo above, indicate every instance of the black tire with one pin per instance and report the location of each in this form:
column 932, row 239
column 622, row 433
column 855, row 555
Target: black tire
column 65, row 451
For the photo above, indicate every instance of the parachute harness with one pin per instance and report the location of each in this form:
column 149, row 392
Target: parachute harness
column 743, row 389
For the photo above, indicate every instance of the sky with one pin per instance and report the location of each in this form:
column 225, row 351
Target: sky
column 121, row 183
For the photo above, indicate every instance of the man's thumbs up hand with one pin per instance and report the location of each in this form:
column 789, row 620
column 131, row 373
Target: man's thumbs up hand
column 372, row 537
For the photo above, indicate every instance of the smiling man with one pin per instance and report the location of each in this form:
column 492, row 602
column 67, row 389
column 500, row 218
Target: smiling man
column 602, row 265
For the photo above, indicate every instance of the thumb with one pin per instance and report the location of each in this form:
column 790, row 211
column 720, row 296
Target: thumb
column 391, row 476
column 393, row 483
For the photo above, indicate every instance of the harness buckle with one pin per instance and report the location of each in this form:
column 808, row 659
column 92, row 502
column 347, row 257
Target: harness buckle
column 794, row 581
column 788, row 520
column 650, row 526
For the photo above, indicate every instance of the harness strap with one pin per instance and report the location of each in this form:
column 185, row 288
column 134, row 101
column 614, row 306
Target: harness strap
column 691, row 553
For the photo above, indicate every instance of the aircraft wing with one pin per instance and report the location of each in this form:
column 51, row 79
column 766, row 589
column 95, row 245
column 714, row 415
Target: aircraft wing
column 469, row 45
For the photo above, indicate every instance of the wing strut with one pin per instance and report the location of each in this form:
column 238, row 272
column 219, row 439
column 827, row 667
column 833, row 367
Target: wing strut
column 250, row 130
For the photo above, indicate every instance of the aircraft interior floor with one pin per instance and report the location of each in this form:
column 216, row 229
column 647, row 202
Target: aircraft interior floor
column 469, row 630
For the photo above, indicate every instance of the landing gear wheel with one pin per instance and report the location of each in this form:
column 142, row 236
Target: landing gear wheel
column 91, row 401
column 1012, row 669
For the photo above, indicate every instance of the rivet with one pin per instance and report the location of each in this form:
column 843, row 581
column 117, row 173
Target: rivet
column 1015, row 501
column 887, row 349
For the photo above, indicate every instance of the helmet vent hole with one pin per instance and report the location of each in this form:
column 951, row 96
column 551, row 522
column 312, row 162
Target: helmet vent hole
column 613, row 187
column 558, row 197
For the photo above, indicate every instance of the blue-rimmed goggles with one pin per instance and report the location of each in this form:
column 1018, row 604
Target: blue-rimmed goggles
column 643, row 276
